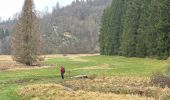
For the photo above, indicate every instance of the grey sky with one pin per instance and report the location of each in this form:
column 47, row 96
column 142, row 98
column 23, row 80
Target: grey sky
column 9, row 7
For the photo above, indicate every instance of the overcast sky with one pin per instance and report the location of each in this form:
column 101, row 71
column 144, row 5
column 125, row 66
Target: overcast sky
column 9, row 7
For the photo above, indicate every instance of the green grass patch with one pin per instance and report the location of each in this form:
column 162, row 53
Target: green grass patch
column 10, row 81
column 118, row 65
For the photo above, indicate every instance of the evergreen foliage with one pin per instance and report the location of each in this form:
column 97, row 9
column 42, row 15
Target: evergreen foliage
column 111, row 28
column 163, row 30
column 103, row 38
column 131, row 25
column 136, row 28
column 3, row 33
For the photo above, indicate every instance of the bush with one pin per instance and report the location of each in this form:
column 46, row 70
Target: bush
column 41, row 58
column 152, row 92
column 160, row 79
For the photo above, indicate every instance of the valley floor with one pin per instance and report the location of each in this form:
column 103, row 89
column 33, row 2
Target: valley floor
column 109, row 78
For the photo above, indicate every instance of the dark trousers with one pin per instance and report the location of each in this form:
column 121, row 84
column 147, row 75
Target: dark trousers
column 62, row 75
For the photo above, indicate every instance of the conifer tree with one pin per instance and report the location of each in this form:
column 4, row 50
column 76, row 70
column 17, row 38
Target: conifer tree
column 163, row 31
column 143, row 30
column 2, row 33
column 26, row 36
column 104, row 32
column 131, row 25
column 116, row 25
column 143, row 26
column 112, row 28
column 151, row 36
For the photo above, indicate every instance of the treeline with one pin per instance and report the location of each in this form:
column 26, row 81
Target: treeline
column 5, row 32
column 136, row 28
column 4, row 41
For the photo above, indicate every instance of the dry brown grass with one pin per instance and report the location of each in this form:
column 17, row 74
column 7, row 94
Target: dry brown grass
column 5, row 58
column 7, row 63
column 100, row 88
column 58, row 92
column 119, row 85
column 119, row 81
column 12, row 65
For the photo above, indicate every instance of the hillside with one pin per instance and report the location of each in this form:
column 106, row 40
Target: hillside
column 80, row 20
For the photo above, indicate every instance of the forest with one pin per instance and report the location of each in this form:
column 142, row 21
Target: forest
column 136, row 28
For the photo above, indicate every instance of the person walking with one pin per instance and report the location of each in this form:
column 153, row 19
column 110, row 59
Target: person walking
column 62, row 70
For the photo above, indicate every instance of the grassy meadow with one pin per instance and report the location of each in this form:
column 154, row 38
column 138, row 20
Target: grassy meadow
column 109, row 76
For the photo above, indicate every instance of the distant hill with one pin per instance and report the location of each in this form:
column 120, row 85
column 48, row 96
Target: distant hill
column 81, row 20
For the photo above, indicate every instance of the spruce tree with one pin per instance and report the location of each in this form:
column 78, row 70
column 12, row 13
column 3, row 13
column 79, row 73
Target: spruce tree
column 143, row 26
column 143, row 30
column 116, row 25
column 103, row 37
column 151, row 36
column 163, row 31
column 111, row 28
column 6, row 32
column 2, row 33
column 26, row 36
column 131, row 25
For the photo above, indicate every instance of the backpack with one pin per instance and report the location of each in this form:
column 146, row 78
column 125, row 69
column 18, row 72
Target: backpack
column 63, row 70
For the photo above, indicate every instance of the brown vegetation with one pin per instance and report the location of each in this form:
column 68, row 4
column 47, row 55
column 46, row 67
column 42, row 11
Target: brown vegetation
column 26, row 36
column 58, row 92
column 119, row 85
column 7, row 63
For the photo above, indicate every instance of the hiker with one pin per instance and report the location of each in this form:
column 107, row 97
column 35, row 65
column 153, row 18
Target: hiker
column 62, row 72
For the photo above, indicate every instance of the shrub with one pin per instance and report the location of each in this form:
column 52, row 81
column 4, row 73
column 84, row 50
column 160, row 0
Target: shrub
column 152, row 92
column 160, row 79
column 41, row 58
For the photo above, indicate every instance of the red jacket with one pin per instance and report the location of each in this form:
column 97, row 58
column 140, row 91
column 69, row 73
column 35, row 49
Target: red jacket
column 62, row 70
